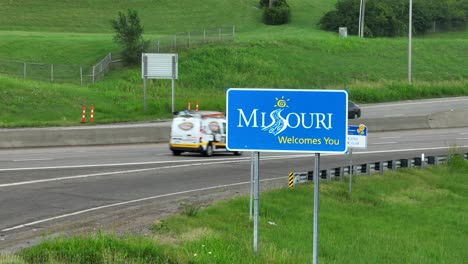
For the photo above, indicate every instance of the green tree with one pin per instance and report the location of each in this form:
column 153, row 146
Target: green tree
column 275, row 12
column 129, row 34
column 389, row 18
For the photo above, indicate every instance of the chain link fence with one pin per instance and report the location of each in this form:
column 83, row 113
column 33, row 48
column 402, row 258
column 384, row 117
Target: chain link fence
column 193, row 39
column 57, row 73
column 79, row 74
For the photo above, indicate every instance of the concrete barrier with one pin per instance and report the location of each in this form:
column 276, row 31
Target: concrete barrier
column 158, row 132
column 456, row 118
column 392, row 123
column 79, row 136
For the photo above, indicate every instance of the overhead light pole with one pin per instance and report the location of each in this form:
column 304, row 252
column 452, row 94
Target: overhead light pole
column 410, row 35
column 362, row 11
column 360, row 19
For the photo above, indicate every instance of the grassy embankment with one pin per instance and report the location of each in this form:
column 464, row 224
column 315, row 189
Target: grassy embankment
column 409, row 216
column 297, row 55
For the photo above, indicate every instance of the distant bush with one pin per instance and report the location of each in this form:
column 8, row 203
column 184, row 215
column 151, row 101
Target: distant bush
column 385, row 18
column 279, row 13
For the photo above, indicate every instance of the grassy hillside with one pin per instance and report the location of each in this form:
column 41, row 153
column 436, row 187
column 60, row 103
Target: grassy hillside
column 297, row 55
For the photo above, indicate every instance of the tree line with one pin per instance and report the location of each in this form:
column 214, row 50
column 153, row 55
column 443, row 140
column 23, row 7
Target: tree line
column 389, row 18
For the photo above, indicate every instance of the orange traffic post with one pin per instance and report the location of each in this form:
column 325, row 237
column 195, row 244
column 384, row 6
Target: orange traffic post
column 83, row 115
column 196, row 106
column 91, row 117
column 188, row 106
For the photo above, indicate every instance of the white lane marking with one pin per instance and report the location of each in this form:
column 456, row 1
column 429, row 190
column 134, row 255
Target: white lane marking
column 102, row 165
column 417, row 103
column 388, row 137
column 462, row 138
column 138, row 170
column 384, row 143
column 147, row 163
column 21, row 160
column 394, row 115
column 128, row 202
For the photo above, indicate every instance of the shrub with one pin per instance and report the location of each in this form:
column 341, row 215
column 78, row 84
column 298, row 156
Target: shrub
column 278, row 14
column 129, row 33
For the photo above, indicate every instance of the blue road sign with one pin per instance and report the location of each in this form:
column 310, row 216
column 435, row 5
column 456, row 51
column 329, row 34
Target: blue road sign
column 357, row 136
column 287, row 120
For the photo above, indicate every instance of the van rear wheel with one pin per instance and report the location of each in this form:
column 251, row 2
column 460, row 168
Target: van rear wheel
column 209, row 150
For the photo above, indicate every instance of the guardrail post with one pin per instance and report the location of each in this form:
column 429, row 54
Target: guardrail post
column 403, row 163
column 418, row 162
column 380, row 167
column 431, row 160
column 363, row 168
column 310, row 175
column 341, row 173
column 368, row 168
column 51, row 73
column 323, row 174
column 24, row 70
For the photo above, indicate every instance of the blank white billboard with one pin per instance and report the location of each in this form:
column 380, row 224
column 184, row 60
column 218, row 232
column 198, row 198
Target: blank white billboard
column 159, row 65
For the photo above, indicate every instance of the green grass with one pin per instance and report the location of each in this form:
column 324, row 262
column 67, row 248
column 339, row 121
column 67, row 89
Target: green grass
column 409, row 216
column 160, row 17
column 297, row 55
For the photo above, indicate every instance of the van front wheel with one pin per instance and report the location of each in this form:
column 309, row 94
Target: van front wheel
column 209, row 150
column 176, row 152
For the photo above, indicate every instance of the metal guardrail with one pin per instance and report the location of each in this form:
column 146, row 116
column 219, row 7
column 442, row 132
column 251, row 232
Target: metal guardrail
column 380, row 167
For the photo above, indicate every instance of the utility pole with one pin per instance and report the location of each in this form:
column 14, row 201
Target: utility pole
column 410, row 35
column 363, row 15
column 270, row 3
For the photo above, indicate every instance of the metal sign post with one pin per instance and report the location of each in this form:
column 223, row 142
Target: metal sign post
column 145, row 74
column 316, row 205
column 256, row 200
column 173, row 81
column 357, row 138
column 252, row 171
column 350, row 169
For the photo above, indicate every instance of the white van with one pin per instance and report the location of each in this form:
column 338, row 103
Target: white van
column 198, row 131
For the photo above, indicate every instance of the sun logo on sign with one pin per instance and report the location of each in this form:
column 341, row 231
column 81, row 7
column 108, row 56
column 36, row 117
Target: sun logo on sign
column 278, row 125
column 282, row 103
